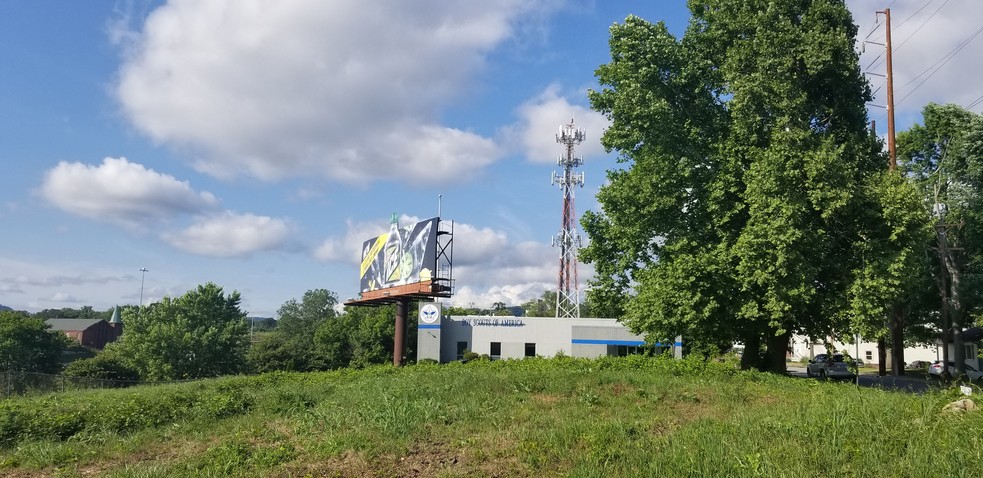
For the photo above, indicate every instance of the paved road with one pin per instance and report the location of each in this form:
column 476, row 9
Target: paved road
column 887, row 382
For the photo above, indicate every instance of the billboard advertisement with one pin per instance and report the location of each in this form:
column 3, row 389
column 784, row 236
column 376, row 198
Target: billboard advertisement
column 404, row 255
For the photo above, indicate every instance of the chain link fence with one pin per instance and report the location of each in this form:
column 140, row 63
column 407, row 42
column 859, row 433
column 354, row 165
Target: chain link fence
column 28, row 383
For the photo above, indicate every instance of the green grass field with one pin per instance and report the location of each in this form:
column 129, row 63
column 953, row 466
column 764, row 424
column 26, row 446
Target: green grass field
column 540, row 417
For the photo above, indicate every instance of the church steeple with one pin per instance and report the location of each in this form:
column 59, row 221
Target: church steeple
column 115, row 319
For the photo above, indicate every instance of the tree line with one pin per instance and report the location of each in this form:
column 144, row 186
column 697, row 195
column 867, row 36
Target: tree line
column 204, row 333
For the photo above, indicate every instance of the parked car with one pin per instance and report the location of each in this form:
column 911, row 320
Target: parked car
column 829, row 366
column 919, row 364
column 935, row 370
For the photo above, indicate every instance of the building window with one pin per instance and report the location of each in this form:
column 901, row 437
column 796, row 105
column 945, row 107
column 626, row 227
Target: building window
column 496, row 350
column 969, row 351
column 461, row 347
column 530, row 350
column 870, row 355
column 626, row 350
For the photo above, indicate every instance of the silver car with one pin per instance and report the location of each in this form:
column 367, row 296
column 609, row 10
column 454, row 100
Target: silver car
column 829, row 366
column 935, row 370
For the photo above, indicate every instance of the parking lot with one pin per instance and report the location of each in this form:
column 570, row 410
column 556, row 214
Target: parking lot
column 887, row 382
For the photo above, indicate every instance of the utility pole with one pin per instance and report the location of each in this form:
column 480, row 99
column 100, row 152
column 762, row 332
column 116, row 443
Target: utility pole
column 891, row 149
column 895, row 321
column 143, row 275
column 940, row 228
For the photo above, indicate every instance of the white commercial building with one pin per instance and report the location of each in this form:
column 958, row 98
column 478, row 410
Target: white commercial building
column 445, row 338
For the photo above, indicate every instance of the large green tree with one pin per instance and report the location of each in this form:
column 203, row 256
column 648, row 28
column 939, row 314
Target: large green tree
column 28, row 344
column 363, row 336
column 890, row 284
column 200, row 334
column 291, row 344
column 745, row 156
column 944, row 155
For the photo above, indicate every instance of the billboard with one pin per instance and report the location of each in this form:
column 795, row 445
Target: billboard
column 404, row 255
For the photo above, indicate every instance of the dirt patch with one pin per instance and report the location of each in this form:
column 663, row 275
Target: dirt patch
column 546, row 398
column 418, row 462
column 620, row 388
column 422, row 461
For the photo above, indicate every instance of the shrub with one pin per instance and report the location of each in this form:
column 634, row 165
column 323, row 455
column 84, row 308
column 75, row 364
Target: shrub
column 103, row 366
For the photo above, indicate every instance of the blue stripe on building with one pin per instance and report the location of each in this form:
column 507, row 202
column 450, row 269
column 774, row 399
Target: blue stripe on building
column 428, row 326
column 629, row 343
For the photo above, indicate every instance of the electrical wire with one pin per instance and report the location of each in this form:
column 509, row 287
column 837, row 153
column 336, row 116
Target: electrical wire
column 875, row 28
column 939, row 64
column 875, row 61
column 922, row 24
column 975, row 102
column 929, row 2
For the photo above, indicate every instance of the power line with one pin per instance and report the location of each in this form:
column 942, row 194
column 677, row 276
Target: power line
column 871, row 65
column 875, row 28
column 929, row 2
column 922, row 24
column 939, row 64
column 975, row 102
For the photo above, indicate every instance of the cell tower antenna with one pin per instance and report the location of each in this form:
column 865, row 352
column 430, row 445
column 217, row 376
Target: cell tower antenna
column 568, row 240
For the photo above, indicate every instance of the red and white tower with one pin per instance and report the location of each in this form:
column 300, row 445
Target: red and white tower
column 568, row 294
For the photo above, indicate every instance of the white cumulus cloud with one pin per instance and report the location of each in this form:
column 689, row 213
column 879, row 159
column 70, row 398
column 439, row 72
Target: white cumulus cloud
column 230, row 235
column 540, row 118
column 120, row 191
column 345, row 89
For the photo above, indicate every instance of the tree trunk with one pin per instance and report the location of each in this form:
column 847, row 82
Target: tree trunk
column 881, row 357
column 777, row 349
column 956, row 313
column 897, row 340
column 752, row 353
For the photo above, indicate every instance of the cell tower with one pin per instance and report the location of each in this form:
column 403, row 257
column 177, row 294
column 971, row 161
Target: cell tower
column 568, row 294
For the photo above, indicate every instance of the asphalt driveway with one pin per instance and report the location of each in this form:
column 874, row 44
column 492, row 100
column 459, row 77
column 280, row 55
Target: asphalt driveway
column 887, row 382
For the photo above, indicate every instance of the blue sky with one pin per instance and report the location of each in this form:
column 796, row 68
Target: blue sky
column 257, row 144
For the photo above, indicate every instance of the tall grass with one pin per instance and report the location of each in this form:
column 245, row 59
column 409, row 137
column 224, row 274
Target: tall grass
column 632, row 416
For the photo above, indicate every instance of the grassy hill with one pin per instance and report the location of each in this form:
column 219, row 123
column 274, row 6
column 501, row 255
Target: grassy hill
column 552, row 417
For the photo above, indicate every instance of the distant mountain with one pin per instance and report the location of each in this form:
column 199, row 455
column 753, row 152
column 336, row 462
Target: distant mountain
column 4, row 307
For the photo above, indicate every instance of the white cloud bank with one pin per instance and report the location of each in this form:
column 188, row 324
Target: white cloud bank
column 346, row 90
column 121, row 192
column 230, row 235
column 131, row 195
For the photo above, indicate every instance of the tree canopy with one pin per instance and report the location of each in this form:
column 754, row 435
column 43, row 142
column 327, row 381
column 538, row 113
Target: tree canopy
column 291, row 344
column 28, row 344
column 200, row 334
column 310, row 335
column 745, row 161
column 944, row 155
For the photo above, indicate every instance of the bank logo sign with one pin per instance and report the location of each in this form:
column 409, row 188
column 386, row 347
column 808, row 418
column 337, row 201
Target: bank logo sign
column 429, row 313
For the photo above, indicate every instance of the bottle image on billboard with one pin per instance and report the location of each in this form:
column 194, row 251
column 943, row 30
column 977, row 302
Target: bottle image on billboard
column 393, row 253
